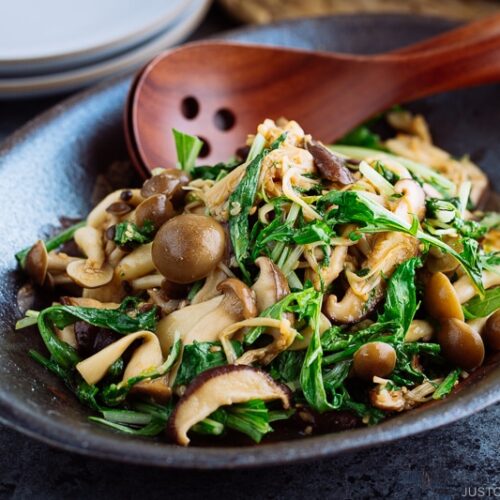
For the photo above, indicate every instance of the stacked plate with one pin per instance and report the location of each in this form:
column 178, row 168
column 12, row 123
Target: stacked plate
column 53, row 46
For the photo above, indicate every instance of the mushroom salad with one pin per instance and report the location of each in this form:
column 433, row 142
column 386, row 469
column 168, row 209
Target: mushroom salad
column 297, row 284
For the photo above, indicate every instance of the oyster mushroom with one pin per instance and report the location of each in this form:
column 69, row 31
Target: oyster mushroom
column 389, row 250
column 412, row 201
column 209, row 289
column 222, row 386
column 205, row 321
column 384, row 399
column 183, row 321
column 271, row 285
column 147, row 356
column 331, row 166
column 92, row 272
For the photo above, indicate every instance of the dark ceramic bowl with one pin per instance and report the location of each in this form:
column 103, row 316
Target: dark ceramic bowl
column 49, row 168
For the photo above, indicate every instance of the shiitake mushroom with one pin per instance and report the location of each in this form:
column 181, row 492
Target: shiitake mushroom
column 460, row 344
column 491, row 331
column 374, row 359
column 156, row 209
column 188, row 247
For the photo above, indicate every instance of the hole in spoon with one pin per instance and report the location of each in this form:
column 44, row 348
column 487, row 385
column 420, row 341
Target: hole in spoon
column 205, row 149
column 224, row 119
column 190, row 107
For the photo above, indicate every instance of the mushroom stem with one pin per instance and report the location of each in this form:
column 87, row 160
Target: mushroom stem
column 136, row 264
column 59, row 261
column 147, row 282
column 466, row 290
column 98, row 216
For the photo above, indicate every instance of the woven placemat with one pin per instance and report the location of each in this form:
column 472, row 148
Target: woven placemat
column 266, row 11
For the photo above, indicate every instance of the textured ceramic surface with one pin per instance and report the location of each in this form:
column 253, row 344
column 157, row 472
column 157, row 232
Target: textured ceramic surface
column 48, row 169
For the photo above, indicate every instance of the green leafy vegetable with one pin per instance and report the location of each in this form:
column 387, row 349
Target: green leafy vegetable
column 128, row 233
column 481, row 307
column 311, row 376
column 213, row 172
column 401, row 298
column 188, row 148
column 355, row 206
column 447, row 384
column 52, row 243
column 121, row 320
column 286, row 367
column 362, row 136
column 298, row 302
column 241, row 201
column 199, row 357
column 426, row 173
column 115, row 394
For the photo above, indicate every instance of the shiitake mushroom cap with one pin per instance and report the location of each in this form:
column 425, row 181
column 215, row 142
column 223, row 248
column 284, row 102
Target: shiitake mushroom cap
column 188, row 247
column 221, row 386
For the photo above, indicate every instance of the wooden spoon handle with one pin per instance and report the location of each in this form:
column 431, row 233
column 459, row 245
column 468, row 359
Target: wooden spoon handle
column 482, row 28
column 468, row 63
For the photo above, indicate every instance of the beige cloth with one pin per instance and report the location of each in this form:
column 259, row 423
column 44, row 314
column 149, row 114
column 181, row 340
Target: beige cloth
column 265, row 11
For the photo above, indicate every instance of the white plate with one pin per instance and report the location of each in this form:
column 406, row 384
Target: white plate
column 12, row 88
column 48, row 35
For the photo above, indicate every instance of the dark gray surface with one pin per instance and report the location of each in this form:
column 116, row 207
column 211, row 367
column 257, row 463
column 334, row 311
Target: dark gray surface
column 438, row 463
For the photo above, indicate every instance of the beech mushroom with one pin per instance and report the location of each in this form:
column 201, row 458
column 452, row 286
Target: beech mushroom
column 465, row 288
column 331, row 166
column 92, row 272
column 222, row 386
column 39, row 262
column 188, row 247
column 271, row 285
column 168, row 182
column 136, row 264
column 460, row 344
column 98, row 216
column 441, row 299
column 374, row 359
column 156, row 210
column 491, row 333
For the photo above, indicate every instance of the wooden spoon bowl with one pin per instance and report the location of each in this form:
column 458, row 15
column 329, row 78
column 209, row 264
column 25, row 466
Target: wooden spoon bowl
column 221, row 91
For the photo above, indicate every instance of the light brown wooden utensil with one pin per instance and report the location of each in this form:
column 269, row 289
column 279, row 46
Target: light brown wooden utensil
column 221, row 91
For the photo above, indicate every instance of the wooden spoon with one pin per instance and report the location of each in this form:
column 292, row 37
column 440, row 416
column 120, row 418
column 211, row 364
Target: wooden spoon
column 221, row 91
